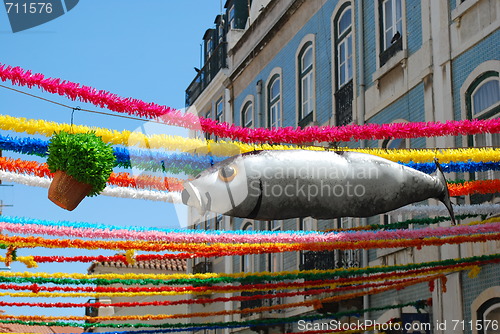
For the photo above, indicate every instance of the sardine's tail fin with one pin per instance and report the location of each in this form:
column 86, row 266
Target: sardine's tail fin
column 445, row 198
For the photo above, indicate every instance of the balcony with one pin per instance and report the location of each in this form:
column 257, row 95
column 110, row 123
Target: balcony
column 331, row 259
column 91, row 311
column 213, row 65
column 202, row 267
column 261, row 302
column 343, row 105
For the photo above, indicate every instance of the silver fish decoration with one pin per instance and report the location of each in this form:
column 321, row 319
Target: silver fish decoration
column 272, row 185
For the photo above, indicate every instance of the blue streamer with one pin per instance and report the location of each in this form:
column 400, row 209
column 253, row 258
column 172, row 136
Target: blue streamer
column 153, row 160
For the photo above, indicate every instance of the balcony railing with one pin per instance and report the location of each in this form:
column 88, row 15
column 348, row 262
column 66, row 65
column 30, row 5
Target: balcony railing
column 343, row 105
column 391, row 51
column 331, row 259
column 213, row 65
column 260, row 302
column 91, row 311
column 202, row 267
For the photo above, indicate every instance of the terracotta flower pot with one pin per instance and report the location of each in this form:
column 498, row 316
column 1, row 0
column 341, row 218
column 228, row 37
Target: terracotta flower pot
column 66, row 191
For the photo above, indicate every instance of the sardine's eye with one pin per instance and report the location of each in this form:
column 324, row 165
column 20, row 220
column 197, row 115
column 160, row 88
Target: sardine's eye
column 227, row 173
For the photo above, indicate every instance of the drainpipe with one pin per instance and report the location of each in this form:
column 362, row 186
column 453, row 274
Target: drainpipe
column 361, row 120
column 258, row 105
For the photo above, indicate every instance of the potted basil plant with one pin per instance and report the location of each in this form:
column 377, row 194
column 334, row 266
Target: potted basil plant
column 82, row 164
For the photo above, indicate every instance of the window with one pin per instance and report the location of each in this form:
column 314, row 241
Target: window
column 489, row 313
column 232, row 17
column 274, row 260
column 342, row 27
column 219, row 107
column 344, row 47
column 246, row 260
column 398, row 143
column 482, row 101
column 247, row 115
column 274, row 102
column 391, row 28
column 306, row 83
column 392, row 22
column 219, row 223
column 208, row 115
column 486, row 95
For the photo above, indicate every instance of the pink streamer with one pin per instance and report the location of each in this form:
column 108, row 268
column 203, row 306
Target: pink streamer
column 104, row 99
column 32, row 229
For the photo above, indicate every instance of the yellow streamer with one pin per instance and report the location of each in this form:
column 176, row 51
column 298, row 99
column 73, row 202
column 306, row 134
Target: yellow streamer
column 228, row 148
column 474, row 272
column 465, row 266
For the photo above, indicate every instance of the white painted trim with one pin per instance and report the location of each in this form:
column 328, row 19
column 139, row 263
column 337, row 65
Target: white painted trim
column 248, row 98
column 484, row 296
column 490, row 65
column 307, row 38
column 378, row 32
column 274, row 71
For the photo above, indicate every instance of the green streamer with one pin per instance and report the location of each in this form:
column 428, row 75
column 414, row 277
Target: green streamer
column 417, row 221
column 256, row 278
column 419, row 304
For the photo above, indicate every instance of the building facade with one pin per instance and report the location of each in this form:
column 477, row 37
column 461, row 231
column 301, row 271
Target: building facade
column 164, row 266
column 335, row 62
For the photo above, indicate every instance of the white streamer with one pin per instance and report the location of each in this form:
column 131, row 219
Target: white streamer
column 175, row 197
column 123, row 192
column 440, row 210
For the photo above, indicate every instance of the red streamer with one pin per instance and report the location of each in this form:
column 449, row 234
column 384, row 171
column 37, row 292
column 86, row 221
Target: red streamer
column 104, row 99
column 117, row 179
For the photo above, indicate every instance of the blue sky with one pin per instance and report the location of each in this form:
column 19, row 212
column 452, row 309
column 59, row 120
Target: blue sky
column 141, row 49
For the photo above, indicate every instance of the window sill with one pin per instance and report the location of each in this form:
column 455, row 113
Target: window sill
column 489, row 112
column 461, row 9
column 306, row 120
column 398, row 59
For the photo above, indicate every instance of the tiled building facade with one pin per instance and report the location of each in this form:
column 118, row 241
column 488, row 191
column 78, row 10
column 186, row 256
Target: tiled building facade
column 334, row 62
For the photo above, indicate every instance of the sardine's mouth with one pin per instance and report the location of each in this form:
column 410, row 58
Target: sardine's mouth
column 191, row 197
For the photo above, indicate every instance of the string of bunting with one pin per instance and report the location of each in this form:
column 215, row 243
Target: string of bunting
column 307, row 303
column 121, row 192
column 491, row 225
column 420, row 304
column 142, row 181
column 440, row 210
column 36, row 168
column 487, row 234
column 399, row 225
column 39, row 291
column 96, row 226
column 217, row 278
column 250, row 243
column 104, row 99
column 193, row 164
column 223, row 148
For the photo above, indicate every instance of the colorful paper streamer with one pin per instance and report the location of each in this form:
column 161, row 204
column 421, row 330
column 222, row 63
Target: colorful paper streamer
column 104, row 99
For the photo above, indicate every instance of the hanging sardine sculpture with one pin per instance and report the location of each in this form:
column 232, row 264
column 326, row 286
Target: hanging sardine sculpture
column 272, row 185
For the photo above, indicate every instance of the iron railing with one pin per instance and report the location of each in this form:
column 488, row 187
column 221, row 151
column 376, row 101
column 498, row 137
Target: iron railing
column 213, row 65
column 343, row 104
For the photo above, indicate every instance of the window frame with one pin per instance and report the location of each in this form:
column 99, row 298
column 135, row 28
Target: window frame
column 343, row 38
column 472, row 90
column 244, row 123
column 273, row 258
column 274, row 102
column 394, row 23
column 307, row 74
column 247, row 226
column 219, row 115
column 389, row 57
